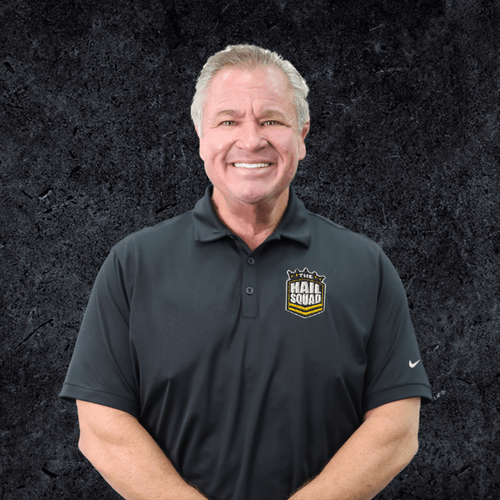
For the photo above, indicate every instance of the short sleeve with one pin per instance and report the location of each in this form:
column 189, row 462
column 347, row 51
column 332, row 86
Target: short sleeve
column 394, row 368
column 101, row 369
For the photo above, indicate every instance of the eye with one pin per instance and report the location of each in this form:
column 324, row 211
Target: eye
column 227, row 123
column 270, row 122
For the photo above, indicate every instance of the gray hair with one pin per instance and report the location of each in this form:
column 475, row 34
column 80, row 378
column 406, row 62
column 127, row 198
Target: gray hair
column 248, row 56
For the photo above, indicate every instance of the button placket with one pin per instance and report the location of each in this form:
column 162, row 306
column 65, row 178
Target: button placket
column 250, row 295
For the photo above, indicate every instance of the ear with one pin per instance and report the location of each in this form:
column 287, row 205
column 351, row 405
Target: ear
column 200, row 139
column 305, row 130
column 303, row 134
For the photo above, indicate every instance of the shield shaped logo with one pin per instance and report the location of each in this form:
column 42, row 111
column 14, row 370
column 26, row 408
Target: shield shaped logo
column 305, row 293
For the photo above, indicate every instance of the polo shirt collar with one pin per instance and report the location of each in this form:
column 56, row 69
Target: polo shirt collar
column 294, row 224
column 208, row 227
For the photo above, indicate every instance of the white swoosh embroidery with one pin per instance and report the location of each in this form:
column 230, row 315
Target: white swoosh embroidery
column 412, row 365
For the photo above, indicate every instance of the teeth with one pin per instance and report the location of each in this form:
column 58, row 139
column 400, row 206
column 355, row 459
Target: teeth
column 251, row 165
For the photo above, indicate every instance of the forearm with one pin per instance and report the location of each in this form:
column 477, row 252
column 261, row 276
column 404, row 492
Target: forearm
column 129, row 459
column 368, row 461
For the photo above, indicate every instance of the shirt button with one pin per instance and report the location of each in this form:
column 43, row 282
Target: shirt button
column 251, row 261
column 249, row 290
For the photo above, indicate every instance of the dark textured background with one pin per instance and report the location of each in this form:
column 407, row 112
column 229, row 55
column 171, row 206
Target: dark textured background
column 96, row 142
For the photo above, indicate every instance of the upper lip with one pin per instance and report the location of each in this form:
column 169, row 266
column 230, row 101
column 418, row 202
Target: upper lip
column 252, row 161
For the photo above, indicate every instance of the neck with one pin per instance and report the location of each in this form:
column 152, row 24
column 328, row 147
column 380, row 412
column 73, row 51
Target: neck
column 253, row 223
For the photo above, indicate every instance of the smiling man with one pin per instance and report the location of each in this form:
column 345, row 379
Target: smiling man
column 248, row 349
column 251, row 145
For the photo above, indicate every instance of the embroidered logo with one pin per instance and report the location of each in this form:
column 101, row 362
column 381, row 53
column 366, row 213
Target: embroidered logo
column 305, row 293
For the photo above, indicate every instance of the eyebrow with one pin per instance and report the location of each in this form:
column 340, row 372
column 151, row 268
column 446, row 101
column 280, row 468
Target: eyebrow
column 274, row 113
column 228, row 112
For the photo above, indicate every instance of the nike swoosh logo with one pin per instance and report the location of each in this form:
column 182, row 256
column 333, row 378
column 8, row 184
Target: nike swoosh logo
column 412, row 365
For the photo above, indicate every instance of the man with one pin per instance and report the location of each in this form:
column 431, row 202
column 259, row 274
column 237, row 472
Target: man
column 248, row 349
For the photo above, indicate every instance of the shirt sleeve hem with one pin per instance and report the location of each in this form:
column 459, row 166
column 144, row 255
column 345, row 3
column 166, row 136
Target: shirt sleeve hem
column 396, row 393
column 72, row 392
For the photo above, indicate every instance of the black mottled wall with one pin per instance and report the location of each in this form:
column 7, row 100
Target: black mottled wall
column 96, row 142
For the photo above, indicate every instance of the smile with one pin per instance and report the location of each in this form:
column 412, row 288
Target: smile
column 251, row 165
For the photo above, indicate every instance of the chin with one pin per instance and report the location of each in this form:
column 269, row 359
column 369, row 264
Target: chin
column 252, row 198
column 255, row 195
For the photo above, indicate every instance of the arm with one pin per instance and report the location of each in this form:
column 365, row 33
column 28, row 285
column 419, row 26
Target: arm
column 379, row 449
column 127, row 457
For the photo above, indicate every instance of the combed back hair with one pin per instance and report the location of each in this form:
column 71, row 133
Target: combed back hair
column 249, row 57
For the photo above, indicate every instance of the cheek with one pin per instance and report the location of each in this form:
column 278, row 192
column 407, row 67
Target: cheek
column 215, row 147
column 286, row 143
column 290, row 149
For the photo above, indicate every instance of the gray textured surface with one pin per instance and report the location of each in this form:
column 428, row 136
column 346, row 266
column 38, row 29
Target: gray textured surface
column 96, row 141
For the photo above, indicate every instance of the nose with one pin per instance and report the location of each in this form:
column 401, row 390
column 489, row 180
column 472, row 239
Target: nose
column 251, row 137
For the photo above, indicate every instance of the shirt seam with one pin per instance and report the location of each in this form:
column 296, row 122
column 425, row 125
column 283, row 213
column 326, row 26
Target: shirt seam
column 98, row 390
column 396, row 387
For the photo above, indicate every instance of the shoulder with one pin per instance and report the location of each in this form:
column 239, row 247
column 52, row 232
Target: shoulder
column 326, row 232
column 155, row 239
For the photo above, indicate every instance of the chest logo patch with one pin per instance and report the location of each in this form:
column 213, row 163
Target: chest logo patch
column 305, row 293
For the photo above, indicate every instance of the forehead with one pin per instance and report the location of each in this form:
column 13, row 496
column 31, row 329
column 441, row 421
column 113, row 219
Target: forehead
column 268, row 85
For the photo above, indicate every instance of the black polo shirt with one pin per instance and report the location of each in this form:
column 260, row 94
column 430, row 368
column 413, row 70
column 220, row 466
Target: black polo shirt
column 249, row 369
